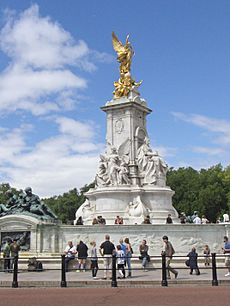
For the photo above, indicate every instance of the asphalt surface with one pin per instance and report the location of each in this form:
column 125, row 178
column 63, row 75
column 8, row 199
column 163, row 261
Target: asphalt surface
column 198, row 296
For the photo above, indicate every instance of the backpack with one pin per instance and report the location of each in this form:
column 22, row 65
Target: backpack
column 34, row 265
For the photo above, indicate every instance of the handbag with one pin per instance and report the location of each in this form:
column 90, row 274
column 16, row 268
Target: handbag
column 187, row 262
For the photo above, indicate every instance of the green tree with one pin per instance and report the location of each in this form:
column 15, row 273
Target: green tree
column 66, row 205
column 226, row 181
column 3, row 188
column 212, row 195
column 185, row 183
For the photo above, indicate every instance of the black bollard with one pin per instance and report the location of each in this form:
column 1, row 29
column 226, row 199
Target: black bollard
column 15, row 273
column 164, row 281
column 114, row 276
column 63, row 270
column 214, row 273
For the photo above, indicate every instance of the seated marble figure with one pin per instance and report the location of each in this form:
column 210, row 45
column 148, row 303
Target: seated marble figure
column 26, row 203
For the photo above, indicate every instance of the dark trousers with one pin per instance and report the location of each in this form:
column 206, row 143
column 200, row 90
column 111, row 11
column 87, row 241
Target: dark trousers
column 67, row 260
column 6, row 263
column 196, row 269
column 94, row 267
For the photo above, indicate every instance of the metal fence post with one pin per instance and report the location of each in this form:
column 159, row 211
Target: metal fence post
column 15, row 273
column 214, row 273
column 114, row 276
column 63, row 270
column 164, row 281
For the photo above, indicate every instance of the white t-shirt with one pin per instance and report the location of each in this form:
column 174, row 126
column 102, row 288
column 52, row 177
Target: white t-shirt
column 226, row 217
column 70, row 251
column 120, row 257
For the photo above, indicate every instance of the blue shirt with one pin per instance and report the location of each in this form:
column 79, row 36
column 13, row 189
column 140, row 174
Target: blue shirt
column 123, row 247
column 227, row 246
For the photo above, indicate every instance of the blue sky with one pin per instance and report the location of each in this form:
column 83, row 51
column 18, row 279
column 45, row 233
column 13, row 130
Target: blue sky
column 57, row 68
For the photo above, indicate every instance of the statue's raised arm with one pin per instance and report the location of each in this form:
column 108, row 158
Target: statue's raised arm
column 124, row 56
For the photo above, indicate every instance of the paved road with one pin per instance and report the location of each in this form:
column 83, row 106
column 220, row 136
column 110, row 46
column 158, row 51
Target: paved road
column 198, row 296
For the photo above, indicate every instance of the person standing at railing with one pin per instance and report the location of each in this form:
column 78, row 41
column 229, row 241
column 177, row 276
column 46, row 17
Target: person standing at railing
column 82, row 251
column 6, row 256
column 14, row 251
column 169, row 251
column 120, row 261
column 206, row 253
column 106, row 250
column 129, row 252
column 144, row 248
column 226, row 250
column 70, row 252
column 94, row 260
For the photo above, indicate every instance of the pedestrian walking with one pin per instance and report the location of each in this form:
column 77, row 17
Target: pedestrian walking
column 169, row 251
column 193, row 261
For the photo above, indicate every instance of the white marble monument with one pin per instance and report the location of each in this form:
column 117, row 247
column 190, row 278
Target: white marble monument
column 131, row 177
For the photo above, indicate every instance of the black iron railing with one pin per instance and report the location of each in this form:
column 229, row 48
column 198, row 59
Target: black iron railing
column 61, row 262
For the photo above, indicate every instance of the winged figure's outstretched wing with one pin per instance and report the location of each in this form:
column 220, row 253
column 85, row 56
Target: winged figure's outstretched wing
column 117, row 45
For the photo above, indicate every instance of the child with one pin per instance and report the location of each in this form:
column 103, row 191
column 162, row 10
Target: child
column 206, row 253
column 193, row 261
column 94, row 262
column 120, row 261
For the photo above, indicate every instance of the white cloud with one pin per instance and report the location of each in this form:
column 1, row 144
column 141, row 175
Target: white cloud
column 221, row 128
column 41, row 54
column 12, row 142
column 209, row 150
column 75, row 128
column 166, row 151
column 54, row 165
column 32, row 40
column 43, row 77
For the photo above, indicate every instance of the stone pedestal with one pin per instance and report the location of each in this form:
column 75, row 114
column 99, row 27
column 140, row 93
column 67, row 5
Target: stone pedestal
column 41, row 236
column 131, row 180
column 132, row 203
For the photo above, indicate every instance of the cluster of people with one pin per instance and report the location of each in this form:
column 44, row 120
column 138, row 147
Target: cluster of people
column 10, row 251
column 123, row 252
column 195, row 219
column 99, row 220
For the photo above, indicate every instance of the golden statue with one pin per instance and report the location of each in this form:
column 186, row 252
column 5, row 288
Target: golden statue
column 124, row 57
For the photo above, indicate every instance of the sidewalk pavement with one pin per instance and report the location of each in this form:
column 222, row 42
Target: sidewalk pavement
column 151, row 278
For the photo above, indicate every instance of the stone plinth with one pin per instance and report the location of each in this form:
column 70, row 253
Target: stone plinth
column 132, row 203
column 52, row 238
column 131, row 180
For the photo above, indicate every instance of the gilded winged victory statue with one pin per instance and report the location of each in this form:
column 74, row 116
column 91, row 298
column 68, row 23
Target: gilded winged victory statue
column 124, row 57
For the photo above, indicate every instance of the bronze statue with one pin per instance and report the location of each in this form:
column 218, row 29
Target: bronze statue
column 124, row 56
column 26, row 203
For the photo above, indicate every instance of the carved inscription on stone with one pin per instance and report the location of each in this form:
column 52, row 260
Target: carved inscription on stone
column 119, row 126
